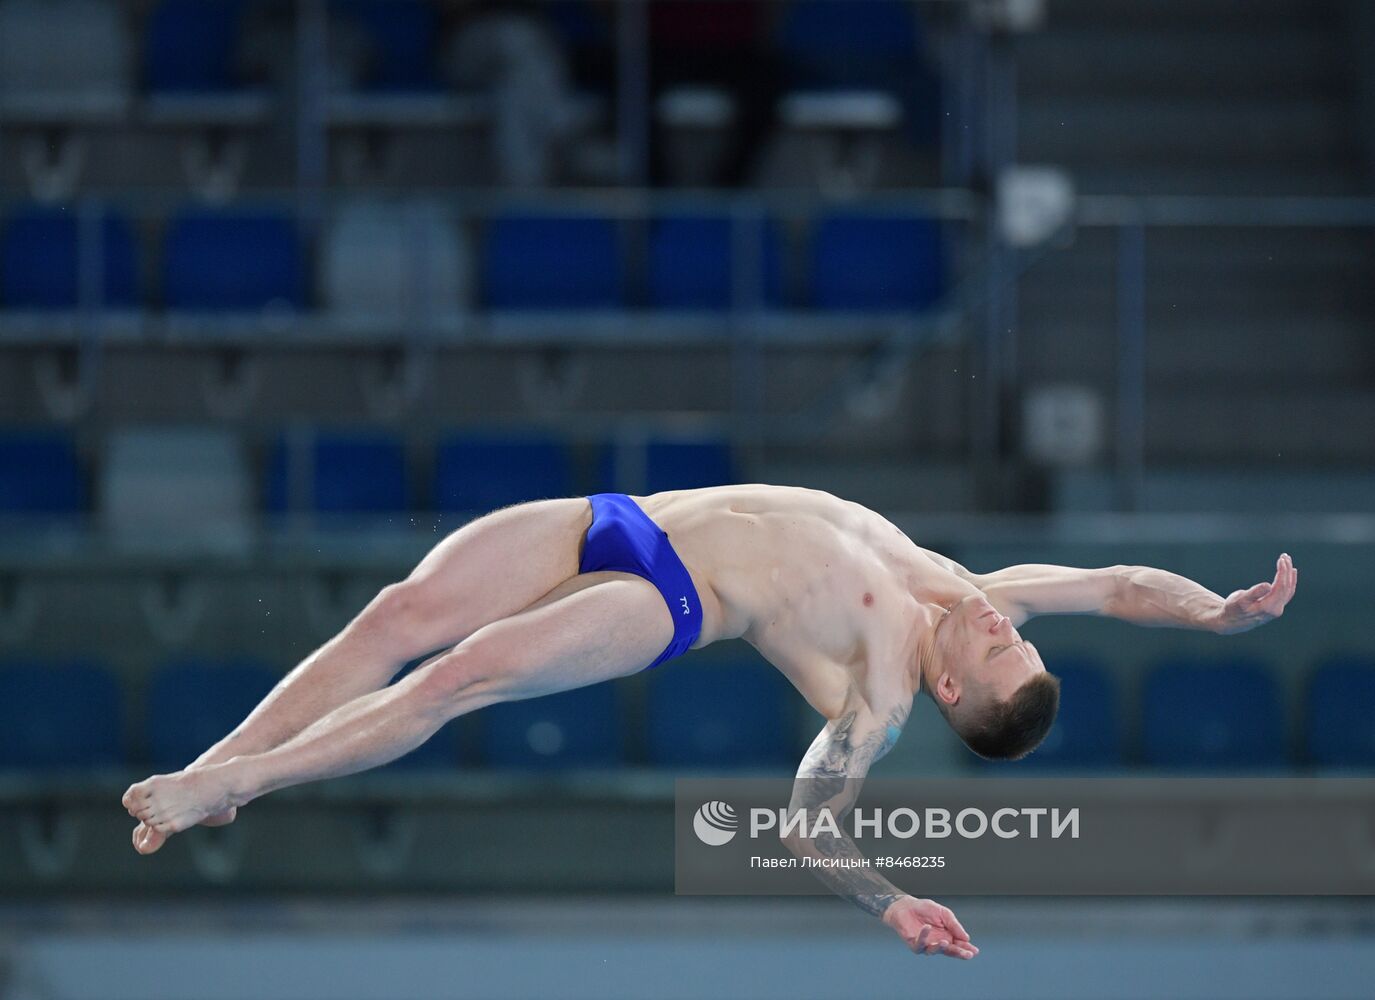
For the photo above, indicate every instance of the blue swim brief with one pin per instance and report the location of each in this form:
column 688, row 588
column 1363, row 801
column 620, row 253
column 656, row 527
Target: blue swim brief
column 623, row 539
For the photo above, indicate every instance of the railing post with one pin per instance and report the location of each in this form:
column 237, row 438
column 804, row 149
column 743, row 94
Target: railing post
column 749, row 222
column 312, row 110
column 1131, row 363
column 632, row 90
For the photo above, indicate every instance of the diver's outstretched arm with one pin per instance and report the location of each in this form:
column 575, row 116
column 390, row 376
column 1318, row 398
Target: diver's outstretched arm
column 1139, row 595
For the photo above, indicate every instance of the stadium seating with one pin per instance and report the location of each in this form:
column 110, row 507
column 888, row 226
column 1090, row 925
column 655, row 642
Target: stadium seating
column 687, row 465
column 579, row 728
column 39, row 474
column 667, row 464
column 190, row 46
column 64, row 55
column 60, row 715
column 552, row 262
column 186, row 488
column 381, row 261
column 192, row 704
column 232, row 261
column 871, row 263
column 818, row 34
column 690, row 263
column 1087, row 733
column 400, row 38
column 719, row 715
column 1212, row 716
column 692, row 260
column 875, row 45
column 347, row 472
column 1339, row 716
column 480, row 472
column 41, row 261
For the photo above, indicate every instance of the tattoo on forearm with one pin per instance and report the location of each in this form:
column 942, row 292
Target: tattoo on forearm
column 830, row 778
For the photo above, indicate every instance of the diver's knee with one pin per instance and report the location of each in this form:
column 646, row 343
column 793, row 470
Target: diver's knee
column 400, row 611
column 447, row 683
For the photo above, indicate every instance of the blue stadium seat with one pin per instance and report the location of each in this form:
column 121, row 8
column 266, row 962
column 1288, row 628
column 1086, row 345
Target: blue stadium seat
column 871, row 263
column 691, row 263
column 481, row 472
column 60, row 715
column 692, row 258
column 190, row 46
column 719, row 715
column 818, row 33
column 1087, row 732
column 359, row 472
column 193, row 704
column 579, row 728
column 39, row 473
column 1339, row 717
column 227, row 261
column 40, row 261
column 1211, row 716
column 402, row 36
column 877, row 45
column 667, row 464
column 552, row 262
column 688, row 465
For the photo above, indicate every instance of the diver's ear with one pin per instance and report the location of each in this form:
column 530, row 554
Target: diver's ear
column 946, row 690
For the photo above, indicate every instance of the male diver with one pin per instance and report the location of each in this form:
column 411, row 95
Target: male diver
column 557, row 594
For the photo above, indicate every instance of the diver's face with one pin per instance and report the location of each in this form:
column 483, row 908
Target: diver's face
column 979, row 653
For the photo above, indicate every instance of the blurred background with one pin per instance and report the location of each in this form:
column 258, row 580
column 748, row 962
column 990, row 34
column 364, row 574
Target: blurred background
column 290, row 289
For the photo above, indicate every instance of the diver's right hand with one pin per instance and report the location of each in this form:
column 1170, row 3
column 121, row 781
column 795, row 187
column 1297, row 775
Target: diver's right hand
column 929, row 928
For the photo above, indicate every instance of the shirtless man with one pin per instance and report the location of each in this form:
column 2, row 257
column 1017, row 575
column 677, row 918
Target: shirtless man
column 557, row 594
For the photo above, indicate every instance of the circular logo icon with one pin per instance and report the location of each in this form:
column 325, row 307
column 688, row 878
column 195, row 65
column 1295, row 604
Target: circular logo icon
column 714, row 823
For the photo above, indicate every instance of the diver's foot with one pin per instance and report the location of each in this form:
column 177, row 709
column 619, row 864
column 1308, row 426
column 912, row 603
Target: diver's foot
column 170, row 803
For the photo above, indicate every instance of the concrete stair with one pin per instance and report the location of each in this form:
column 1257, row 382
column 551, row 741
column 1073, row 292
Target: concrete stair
column 1248, row 324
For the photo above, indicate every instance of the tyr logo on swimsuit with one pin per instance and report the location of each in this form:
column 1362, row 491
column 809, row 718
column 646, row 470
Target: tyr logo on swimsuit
column 686, row 610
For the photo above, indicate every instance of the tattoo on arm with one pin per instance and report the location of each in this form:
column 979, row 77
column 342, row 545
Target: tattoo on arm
column 830, row 778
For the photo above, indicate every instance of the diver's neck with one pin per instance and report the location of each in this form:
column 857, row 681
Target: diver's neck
column 926, row 649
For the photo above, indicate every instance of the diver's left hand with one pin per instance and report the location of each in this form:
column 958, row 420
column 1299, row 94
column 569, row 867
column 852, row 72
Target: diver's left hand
column 1245, row 609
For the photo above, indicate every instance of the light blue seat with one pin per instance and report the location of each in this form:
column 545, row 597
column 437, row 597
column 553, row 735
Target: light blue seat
column 65, row 54
column 1339, row 715
column 40, row 474
column 60, row 715
column 481, row 472
column 233, row 261
column 348, row 472
column 1222, row 715
column 578, row 728
column 876, row 264
column 393, row 263
column 41, row 263
column 734, row 714
column 193, row 704
column 552, row 262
